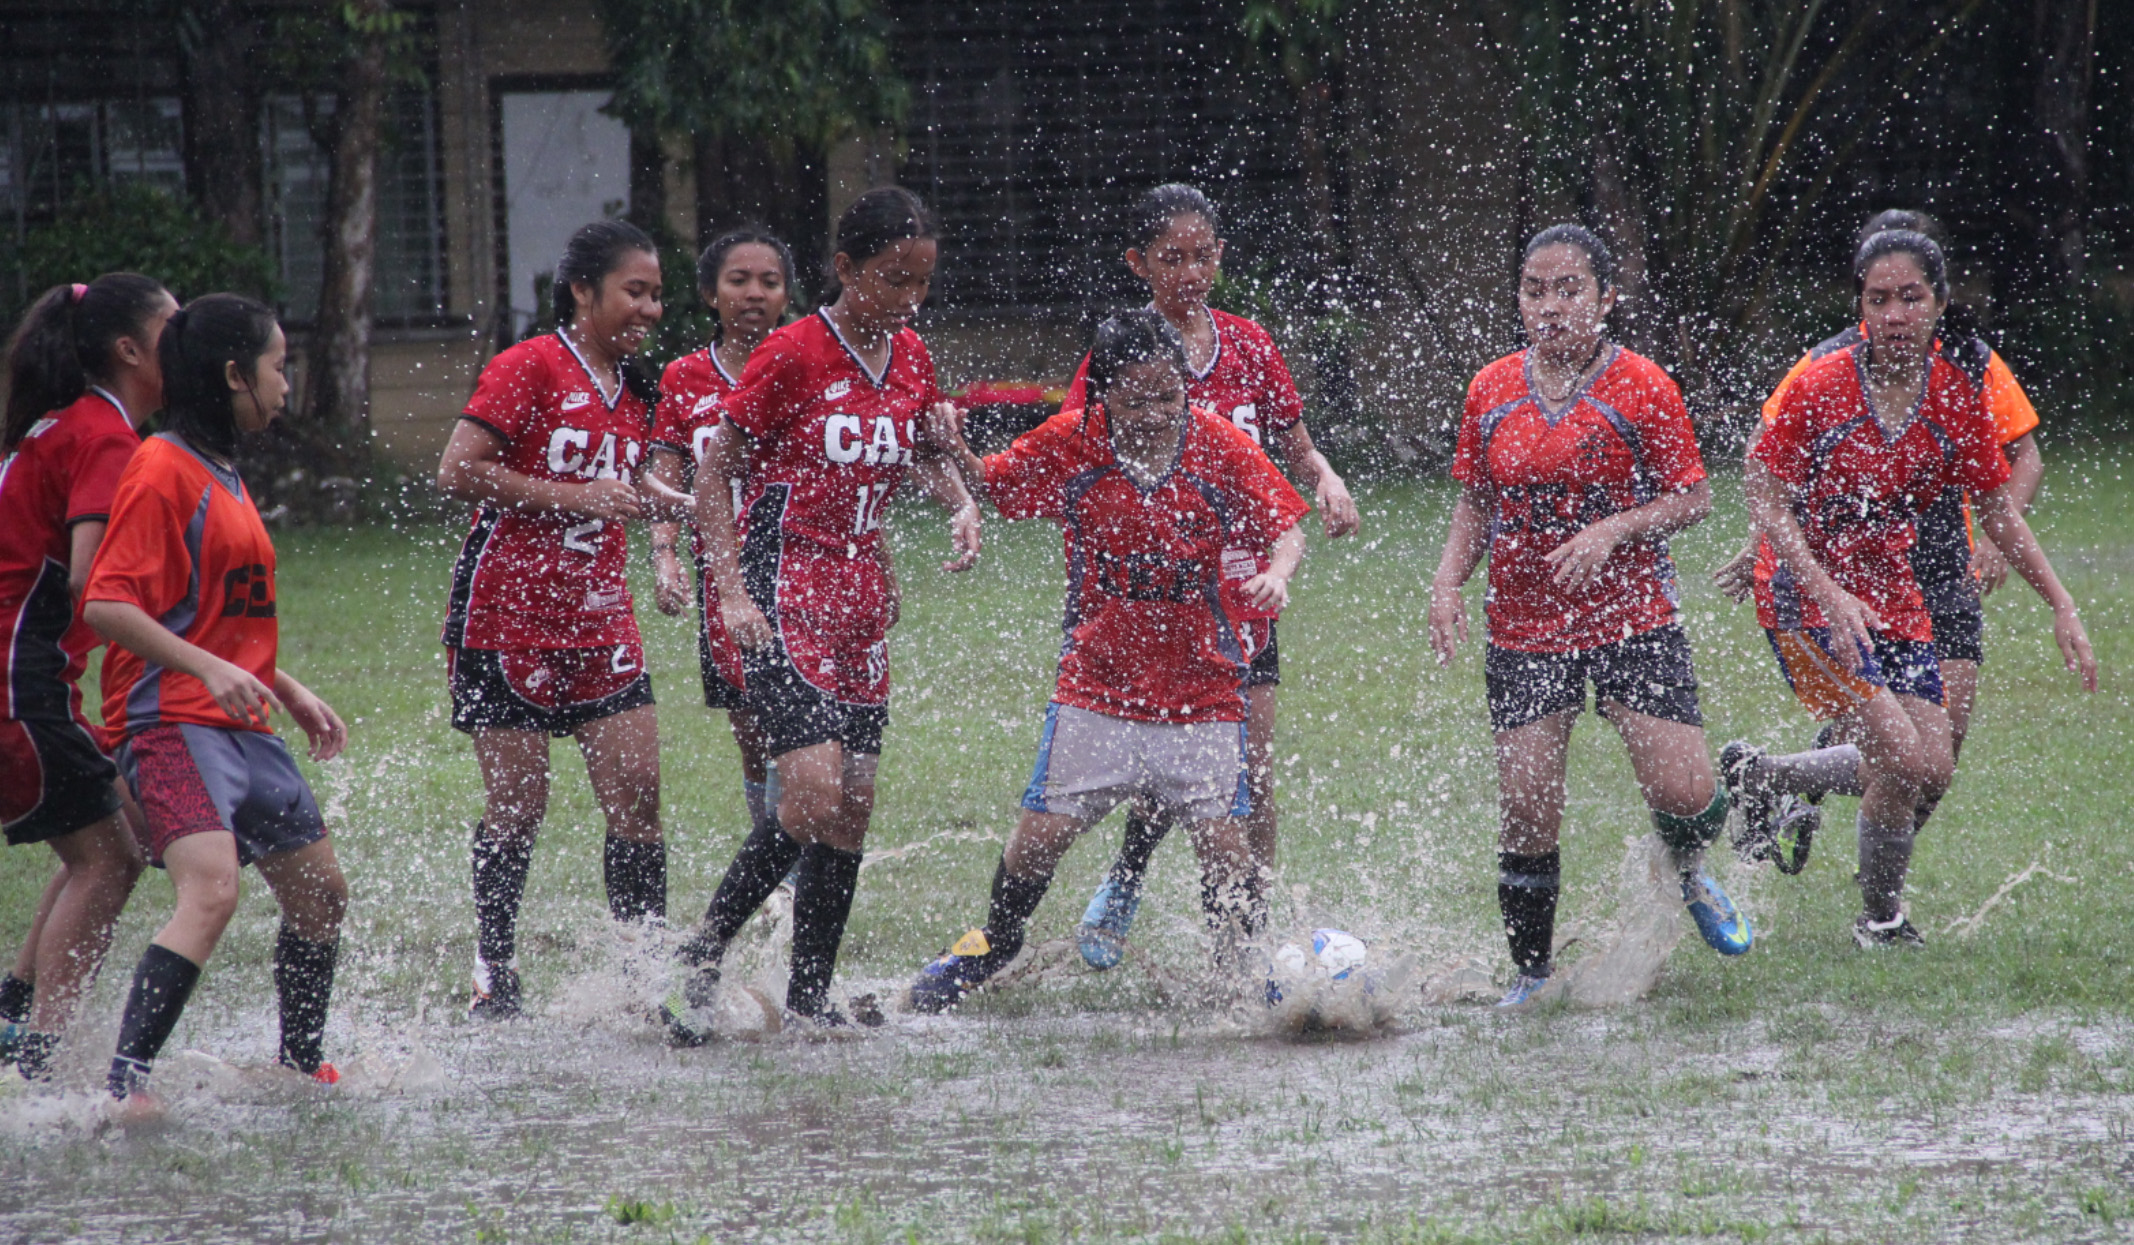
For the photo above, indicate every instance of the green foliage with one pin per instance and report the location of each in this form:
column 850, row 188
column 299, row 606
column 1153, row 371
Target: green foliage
column 2075, row 356
column 1301, row 40
column 135, row 228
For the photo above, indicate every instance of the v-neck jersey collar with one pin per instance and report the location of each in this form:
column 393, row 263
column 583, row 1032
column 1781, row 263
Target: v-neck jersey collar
column 877, row 379
column 609, row 401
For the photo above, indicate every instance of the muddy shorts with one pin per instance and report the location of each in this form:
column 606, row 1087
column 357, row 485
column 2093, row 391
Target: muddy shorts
column 193, row 779
column 1828, row 690
column 1089, row 763
column 54, row 780
column 552, row 690
column 1649, row 673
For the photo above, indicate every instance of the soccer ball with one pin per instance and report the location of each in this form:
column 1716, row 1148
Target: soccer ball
column 1339, row 952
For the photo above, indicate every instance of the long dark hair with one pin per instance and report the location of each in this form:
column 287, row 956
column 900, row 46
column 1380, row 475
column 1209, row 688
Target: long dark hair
column 1154, row 211
column 713, row 261
column 1125, row 338
column 65, row 342
column 876, row 221
column 205, row 336
column 593, row 252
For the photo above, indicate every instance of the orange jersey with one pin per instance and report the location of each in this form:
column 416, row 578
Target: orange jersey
column 2013, row 416
column 186, row 545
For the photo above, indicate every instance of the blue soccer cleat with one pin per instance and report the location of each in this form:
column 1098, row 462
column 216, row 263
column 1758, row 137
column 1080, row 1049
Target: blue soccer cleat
column 955, row 973
column 11, row 1035
column 1105, row 923
column 1724, row 928
column 1524, row 988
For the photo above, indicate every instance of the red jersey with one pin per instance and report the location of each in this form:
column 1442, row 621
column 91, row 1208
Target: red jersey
column 545, row 580
column 1147, row 636
column 1246, row 382
column 1858, row 491
column 185, row 544
column 1616, row 444
column 63, row 473
column 838, row 437
column 691, row 394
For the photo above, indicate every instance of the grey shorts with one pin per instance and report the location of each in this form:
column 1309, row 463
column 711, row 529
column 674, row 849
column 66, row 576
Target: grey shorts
column 1089, row 763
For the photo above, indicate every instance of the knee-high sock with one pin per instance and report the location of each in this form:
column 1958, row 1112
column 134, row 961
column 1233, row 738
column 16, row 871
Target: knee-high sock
column 1885, row 858
column 1687, row 837
column 636, row 875
column 15, row 998
column 1008, row 915
column 500, row 866
column 303, row 980
column 1142, row 836
column 765, row 856
column 1819, row 772
column 822, row 900
column 162, row 982
column 757, row 795
column 1527, row 886
column 1243, row 899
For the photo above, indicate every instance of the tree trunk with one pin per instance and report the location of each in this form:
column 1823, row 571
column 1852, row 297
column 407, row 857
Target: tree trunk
column 648, row 183
column 218, row 45
column 339, row 366
column 2064, row 34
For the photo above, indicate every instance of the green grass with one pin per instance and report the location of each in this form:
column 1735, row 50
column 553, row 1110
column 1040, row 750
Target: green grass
column 1974, row 1091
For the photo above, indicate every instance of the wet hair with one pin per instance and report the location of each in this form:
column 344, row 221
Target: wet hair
column 876, row 221
column 1129, row 337
column 65, row 340
column 592, row 253
column 1902, row 242
column 1153, row 212
column 1900, row 218
column 713, row 261
column 1598, row 256
column 205, row 336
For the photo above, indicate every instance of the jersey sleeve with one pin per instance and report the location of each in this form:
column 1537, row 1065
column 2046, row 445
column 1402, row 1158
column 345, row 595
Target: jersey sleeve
column 1772, row 403
column 93, row 476
column 1282, row 407
column 2013, row 416
column 1467, row 465
column 1078, row 388
column 1028, row 480
column 772, row 386
column 671, row 419
column 1267, row 503
column 1980, row 463
column 1785, row 445
column 143, row 560
column 504, row 397
column 1671, row 460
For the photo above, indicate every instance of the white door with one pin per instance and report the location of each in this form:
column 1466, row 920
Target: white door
column 566, row 163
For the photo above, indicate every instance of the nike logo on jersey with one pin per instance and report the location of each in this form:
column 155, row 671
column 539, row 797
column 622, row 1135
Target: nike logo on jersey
column 572, row 402
column 704, row 404
column 846, row 439
column 837, row 389
column 571, row 453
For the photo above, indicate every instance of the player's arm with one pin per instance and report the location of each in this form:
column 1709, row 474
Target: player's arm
column 944, row 432
column 322, row 727
column 726, row 458
column 1850, row 618
column 1578, row 561
column 664, row 476
column 2026, row 472
column 82, row 540
column 940, row 475
column 666, row 497
column 2003, row 521
column 1336, row 508
column 1269, row 590
column 127, row 625
column 473, row 470
column 1466, row 542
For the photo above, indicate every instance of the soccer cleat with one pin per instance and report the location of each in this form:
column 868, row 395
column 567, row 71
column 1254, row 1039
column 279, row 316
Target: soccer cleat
column 326, row 1074
column 1524, row 988
column 1102, row 936
column 11, row 1035
column 1798, row 821
column 954, row 974
column 1898, row 931
column 496, row 992
column 1722, row 926
column 684, row 1027
column 1751, row 797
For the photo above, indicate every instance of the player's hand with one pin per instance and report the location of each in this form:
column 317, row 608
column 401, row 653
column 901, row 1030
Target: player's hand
column 1266, row 591
column 243, row 697
column 1578, row 561
column 609, row 499
column 1990, row 565
column 964, row 537
column 944, row 427
column 1852, row 626
column 1737, row 576
column 2074, row 644
column 745, row 623
column 322, row 727
column 670, row 586
column 1336, row 508
column 1448, row 622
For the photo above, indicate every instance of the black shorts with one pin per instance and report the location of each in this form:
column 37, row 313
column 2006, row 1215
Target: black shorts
column 1266, row 668
column 553, row 690
column 53, row 780
column 1649, row 673
column 718, row 692
column 1959, row 618
column 793, row 713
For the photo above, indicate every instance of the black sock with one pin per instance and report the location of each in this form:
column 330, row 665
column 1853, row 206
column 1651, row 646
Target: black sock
column 822, row 899
column 33, row 1055
column 1142, row 836
column 1526, row 893
column 1008, row 916
column 763, row 861
column 1244, row 899
column 15, row 996
column 637, row 878
column 303, row 980
column 1925, row 810
column 162, row 982
column 499, row 883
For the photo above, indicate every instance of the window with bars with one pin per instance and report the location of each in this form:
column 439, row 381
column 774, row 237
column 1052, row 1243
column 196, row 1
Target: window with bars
column 55, row 151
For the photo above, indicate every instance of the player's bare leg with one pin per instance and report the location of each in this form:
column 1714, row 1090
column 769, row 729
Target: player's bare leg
column 622, row 761
column 99, row 864
column 1531, row 764
column 1908, row 760
column 1025, row 871
column 515, row 778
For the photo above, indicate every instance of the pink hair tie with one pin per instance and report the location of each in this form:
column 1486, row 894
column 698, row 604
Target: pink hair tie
column 80, row 291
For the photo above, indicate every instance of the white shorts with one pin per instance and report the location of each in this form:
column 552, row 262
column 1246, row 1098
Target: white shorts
column 1088, row 764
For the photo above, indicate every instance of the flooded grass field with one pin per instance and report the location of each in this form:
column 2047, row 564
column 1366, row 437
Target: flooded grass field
column 1980, row 1090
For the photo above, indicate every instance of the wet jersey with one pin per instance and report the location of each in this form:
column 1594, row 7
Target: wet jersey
column 1941, row 560
column 62, row 473
column 691, row 404
column 1146, row 634
column 835, row 439
column 546, row 580
column 185, row 544
column 1617, row 443
column 1858, row 490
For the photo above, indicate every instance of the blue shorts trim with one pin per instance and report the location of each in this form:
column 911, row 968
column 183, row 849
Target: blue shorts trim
column 1034, row 794
column 1906, row 667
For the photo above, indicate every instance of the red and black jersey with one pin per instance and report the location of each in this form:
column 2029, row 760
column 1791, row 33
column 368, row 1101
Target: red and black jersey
column 1859, row 489
column 1246, row 382
column 692, row 396
column 837, row 437
column 64, row 472
column 1622, row 440
column 544, row 580
column 185, row 544
column 1147, row 635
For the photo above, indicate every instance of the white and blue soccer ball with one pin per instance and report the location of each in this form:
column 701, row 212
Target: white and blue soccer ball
column 1336, row 955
